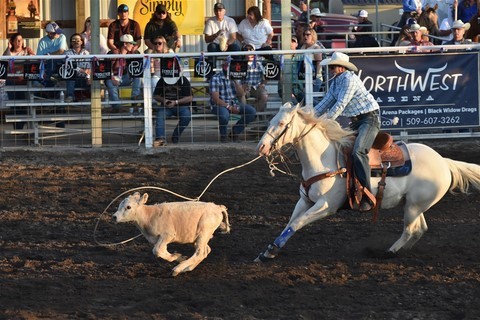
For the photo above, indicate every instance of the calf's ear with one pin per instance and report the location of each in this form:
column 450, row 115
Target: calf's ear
column 144, row 198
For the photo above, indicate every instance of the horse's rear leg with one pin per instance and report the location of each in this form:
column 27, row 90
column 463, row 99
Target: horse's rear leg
column 412, row 232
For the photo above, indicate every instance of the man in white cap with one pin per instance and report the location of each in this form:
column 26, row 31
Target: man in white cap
column 364, row 25
column 221, row 31
column 53, row 43
column 120, row 75
column 347, row 96
column 458, row 31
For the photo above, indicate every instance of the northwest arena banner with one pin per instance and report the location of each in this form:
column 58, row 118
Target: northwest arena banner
column 189, row 15
column 433, row 90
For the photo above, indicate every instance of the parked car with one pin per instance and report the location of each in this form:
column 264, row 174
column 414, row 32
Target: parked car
column 334, row 22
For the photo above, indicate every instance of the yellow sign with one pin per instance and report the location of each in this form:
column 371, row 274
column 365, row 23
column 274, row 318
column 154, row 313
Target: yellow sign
column 189, row 15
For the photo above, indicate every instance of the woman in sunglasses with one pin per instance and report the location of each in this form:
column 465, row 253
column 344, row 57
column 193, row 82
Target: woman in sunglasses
column 160, row 46
column 161, row 24
column 81, row 67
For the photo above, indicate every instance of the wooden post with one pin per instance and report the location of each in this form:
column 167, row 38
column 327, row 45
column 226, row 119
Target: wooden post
column 267, row 10
column 81, row 15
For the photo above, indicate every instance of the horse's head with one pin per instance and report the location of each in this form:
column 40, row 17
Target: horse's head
column 279, row 132
column 429, row 19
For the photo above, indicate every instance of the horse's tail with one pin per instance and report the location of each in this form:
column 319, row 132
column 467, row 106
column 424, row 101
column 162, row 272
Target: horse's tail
column 463, row 175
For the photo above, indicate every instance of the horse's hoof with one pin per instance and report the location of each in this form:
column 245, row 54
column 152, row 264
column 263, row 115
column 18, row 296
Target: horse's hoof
column 262, row 258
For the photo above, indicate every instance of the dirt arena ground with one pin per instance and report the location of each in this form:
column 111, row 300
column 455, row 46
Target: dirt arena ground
column 51, row 267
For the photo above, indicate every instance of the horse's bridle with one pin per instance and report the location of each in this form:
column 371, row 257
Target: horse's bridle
column 284, row 131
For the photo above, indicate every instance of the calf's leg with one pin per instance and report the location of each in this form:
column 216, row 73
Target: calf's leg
column 201, row 252
column 160, row 250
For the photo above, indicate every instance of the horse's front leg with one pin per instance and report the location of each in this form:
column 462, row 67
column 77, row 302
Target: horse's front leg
column 303, row 214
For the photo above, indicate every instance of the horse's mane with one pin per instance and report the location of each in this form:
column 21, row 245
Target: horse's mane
column 331, row 128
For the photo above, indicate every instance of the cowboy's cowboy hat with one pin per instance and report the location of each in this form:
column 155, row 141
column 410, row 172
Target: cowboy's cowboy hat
column 339, row 59
column 460, row 25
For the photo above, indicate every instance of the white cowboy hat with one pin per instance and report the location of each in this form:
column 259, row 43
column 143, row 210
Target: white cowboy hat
column 339, row 59
column 459, row 25
column 316, row 12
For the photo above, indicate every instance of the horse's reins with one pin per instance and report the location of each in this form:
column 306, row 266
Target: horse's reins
column 305, row 183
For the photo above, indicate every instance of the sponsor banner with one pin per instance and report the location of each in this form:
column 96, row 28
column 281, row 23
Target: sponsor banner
column 189, row 15
column 238, row 69
column 271, row 70
column 3, row 70
column 424, row 90
column 102, row 70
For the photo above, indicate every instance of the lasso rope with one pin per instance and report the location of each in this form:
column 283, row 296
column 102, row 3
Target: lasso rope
column 161, row 189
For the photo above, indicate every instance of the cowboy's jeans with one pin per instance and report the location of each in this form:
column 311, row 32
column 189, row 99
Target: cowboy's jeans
column 367, row 128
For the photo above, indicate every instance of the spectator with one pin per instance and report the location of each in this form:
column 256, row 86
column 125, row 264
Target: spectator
column 221, row 31
column 255, row 30
column 417, row 36
column 175, row 97
column 254, row 83
column 54, row 43
column 17, row 47
column 224, row 100
column 77, row 47
column 299, row 29
column 347, row 96
column 467, row 9
column 458, row 30
column 316, row 22
column 123, row 25
column 87, row 36
column 405, row 37
column 310, row 42
column 364, row 25
column 303, row 18
column 161, row 24
column 445, row 29
column 160, row 46
column 120, row 76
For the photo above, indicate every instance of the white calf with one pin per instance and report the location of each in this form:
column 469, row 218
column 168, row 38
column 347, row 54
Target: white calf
column 179, row 222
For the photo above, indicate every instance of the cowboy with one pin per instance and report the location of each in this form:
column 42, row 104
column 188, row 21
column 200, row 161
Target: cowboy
column 458, row 31
column 347, row 96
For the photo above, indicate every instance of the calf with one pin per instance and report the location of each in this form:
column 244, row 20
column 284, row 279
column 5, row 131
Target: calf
column 178, row 222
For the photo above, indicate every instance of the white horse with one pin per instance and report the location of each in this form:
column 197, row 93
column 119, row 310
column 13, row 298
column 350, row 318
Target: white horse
column 318, row 143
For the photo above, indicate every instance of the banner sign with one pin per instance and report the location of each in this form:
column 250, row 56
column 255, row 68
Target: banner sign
column 188, row 15
column 271, row 70
column 424, row 91
column 3, row 70
column 238, row 69
column 102, row 70
column 31, row 71
column 135, row 68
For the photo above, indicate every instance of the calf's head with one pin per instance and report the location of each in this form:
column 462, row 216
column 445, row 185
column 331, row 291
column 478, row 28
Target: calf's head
column 127, row 209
